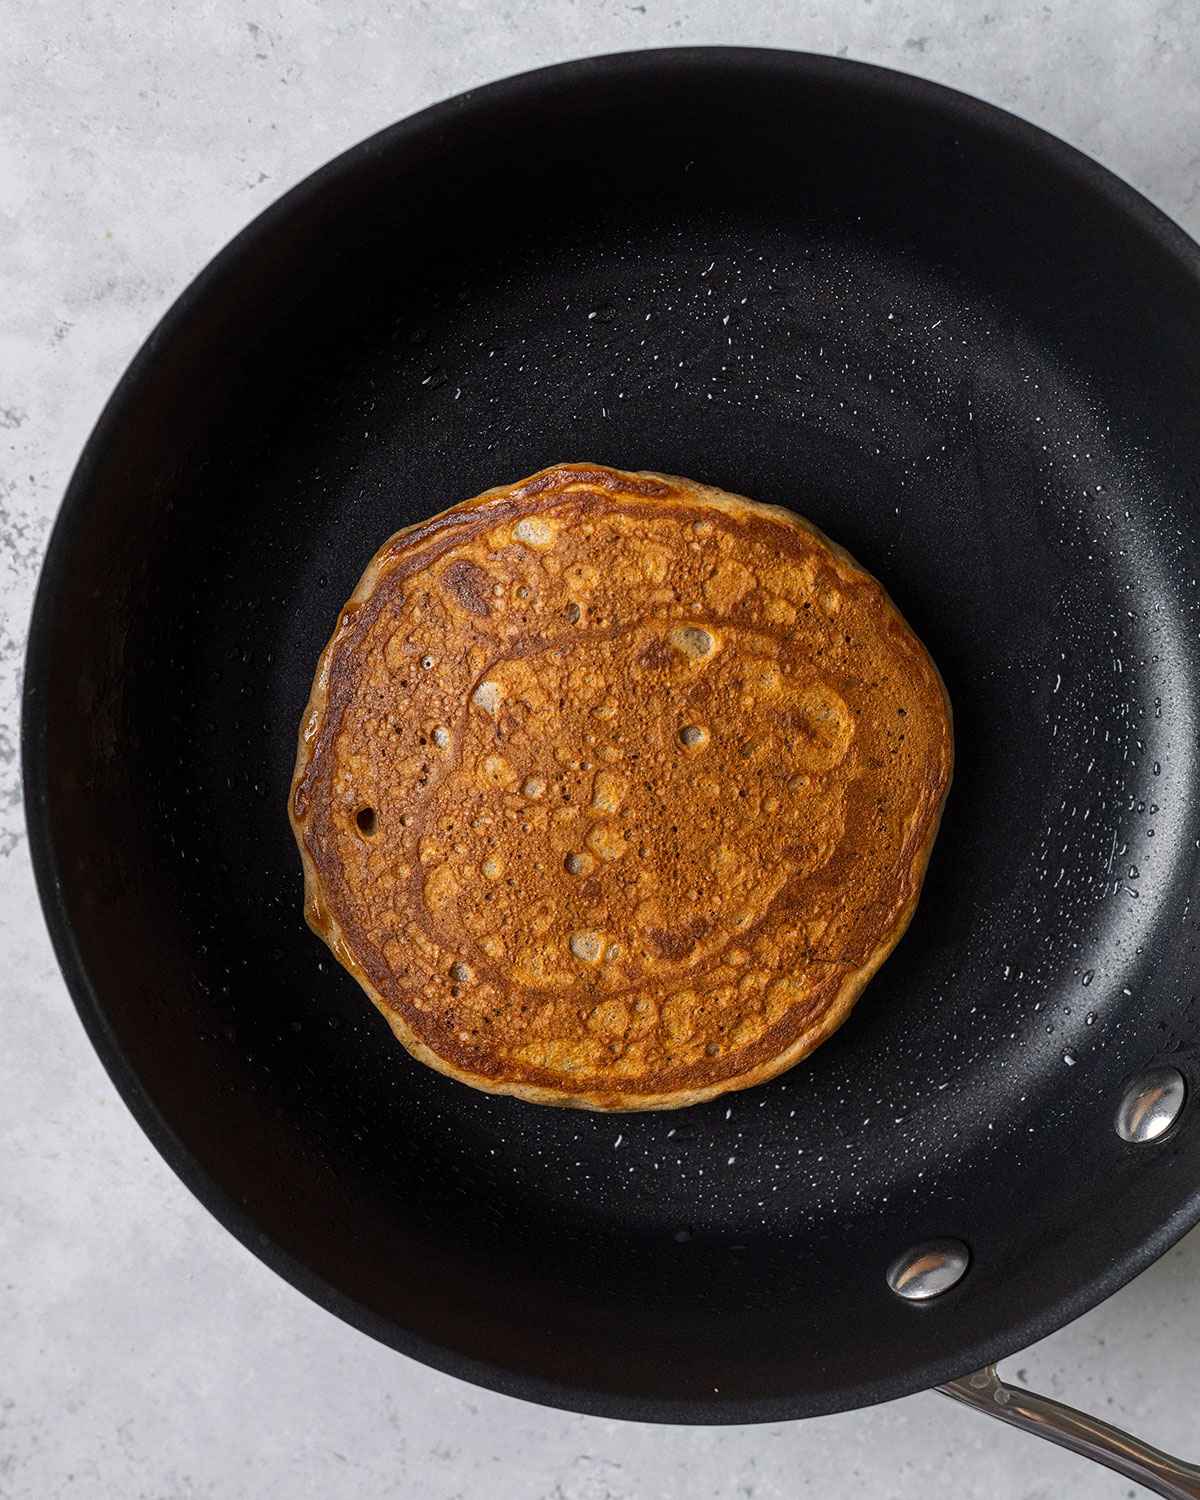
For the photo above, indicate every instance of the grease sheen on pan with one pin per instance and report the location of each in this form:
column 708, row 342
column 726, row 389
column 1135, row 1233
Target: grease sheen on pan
column 614, row 790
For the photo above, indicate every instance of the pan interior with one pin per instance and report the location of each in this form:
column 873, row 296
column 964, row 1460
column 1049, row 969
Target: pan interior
column 969, row 358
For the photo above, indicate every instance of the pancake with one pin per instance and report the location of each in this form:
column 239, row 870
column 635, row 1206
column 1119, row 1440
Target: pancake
column 614, row 790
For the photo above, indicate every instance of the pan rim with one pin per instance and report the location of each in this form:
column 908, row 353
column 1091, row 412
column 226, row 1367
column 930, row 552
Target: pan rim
column 797, row 67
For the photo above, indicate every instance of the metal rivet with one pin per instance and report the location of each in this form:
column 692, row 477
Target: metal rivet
column 928, row 1270
column 1150, row 1105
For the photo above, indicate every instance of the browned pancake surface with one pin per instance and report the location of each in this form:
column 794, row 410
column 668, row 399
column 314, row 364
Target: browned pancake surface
column 614, row 790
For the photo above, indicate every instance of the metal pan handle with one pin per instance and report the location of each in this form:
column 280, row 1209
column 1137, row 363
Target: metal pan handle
column 1087, row 1436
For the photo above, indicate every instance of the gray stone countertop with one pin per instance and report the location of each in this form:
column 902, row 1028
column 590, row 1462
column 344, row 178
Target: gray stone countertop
column 143, row 1352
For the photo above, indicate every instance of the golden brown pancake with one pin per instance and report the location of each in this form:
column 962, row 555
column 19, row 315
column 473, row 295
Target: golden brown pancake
column 614, row 790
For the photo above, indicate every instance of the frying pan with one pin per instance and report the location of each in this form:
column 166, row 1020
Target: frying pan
column 960, row 347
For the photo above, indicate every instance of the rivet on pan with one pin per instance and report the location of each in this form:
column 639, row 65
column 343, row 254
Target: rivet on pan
column 1150, row 1105
column 928, row 1270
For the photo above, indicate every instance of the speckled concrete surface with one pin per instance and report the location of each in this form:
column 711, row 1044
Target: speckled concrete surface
column 143, row 1353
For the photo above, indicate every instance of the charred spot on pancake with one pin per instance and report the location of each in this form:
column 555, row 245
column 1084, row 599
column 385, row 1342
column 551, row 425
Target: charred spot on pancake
column 469, row 585
column 655, row 655
column 678, row 942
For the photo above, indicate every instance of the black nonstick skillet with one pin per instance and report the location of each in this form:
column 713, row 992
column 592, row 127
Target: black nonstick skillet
column 961, row 348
